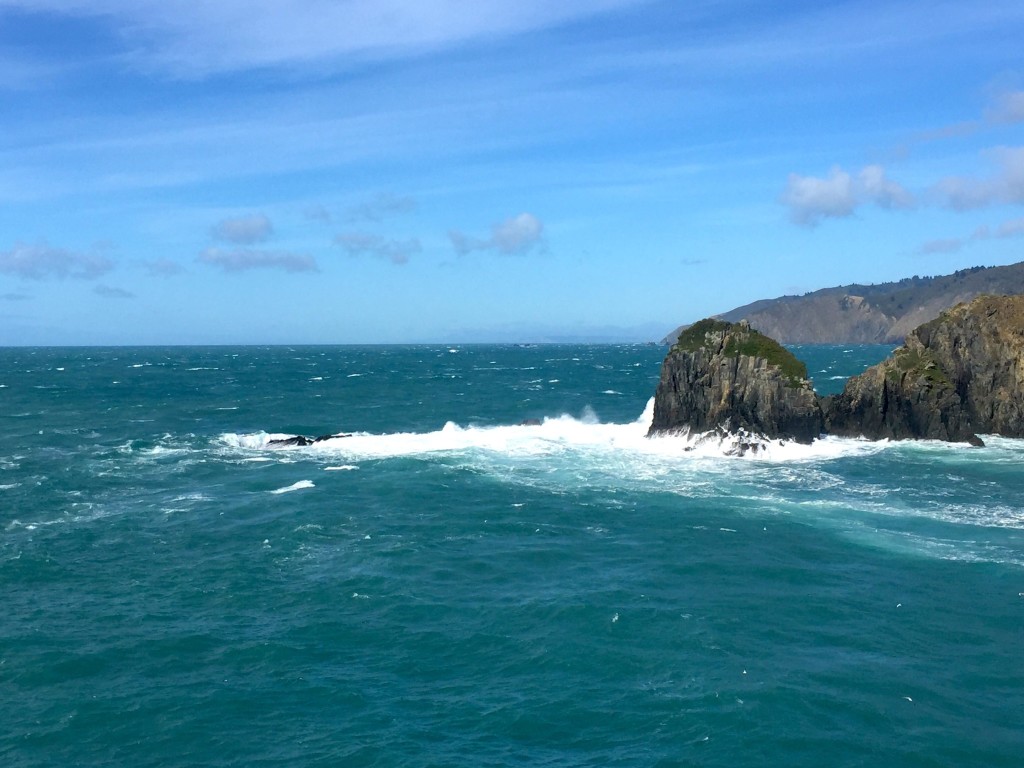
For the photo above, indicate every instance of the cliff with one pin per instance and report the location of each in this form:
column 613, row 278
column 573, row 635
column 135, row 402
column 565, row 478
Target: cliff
column 868, row 314
column 956, row 376
column 729, row 377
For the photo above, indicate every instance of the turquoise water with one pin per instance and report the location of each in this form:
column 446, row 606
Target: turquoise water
column 447, row 587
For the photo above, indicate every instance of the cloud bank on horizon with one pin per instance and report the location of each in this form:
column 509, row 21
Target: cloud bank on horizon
column 377, row 164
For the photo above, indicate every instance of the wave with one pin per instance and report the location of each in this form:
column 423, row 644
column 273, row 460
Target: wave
column 558, row 435
column 302, row 484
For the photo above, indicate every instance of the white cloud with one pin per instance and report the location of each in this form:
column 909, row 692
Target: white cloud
column 874, row 186
column 243, row 260
column 42, row 261
column 518, row 234
column 243, row 230
column 194, row 39
column 811, row 199
column 112, row 293
column 361, row 244
column 1006, row 185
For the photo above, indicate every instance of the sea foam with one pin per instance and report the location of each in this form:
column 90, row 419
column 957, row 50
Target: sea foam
column 295, row 487
column 557, row 435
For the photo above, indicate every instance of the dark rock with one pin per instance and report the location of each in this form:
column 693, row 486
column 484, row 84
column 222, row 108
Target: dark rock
column 530, row 423
column 283, row 442
column 729, row 377
column 956, row 376
column 302, row 440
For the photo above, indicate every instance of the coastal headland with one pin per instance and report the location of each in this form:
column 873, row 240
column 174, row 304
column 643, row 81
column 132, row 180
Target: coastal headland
column 955, row 377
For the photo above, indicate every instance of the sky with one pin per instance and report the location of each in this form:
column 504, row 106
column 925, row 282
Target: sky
column 446, row 171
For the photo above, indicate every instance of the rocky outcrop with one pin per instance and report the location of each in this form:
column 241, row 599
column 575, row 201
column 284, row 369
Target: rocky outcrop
column 729, row 377
column 956, row 376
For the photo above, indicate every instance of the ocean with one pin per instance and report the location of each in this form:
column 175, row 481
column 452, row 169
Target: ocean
column 450, row 586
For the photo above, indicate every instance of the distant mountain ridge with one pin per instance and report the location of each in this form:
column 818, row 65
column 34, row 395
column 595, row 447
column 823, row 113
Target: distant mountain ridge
column 870, row 314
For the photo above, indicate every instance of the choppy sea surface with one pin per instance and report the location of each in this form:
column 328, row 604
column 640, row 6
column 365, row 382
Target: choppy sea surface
column 448, row 586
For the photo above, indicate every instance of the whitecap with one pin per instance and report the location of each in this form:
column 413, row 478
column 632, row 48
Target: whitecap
column 302, row 484
column 341, row 468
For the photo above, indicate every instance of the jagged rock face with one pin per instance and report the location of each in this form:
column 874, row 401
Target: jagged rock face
column 727, row 376
column 956, row 376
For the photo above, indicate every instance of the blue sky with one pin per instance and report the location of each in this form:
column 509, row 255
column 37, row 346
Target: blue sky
column 365, row 171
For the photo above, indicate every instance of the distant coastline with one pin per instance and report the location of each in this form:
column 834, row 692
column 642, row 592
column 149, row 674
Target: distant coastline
column 870, row 314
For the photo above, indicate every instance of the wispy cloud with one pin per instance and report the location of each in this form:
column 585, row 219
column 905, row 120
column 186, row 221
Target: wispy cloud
column 244, row 260
column 362, row 244
column 110, row 292
column 1006, row 185
column 515, row 235
column 196, row 39
column 243, row 230
column 43, row 262
column 811, row 199
column 1012, row 228
column 13, row 297
column 942, row 245
column 1006, row 107
column 381, row 207
column 1008, row 229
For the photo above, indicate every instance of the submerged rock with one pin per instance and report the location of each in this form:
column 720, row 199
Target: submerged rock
column 728, row 377
column 956, row 376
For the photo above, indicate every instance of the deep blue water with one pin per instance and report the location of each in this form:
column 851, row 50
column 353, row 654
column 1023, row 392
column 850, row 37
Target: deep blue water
column 447, row 587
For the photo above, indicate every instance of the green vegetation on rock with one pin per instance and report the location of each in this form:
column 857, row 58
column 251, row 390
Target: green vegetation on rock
column 695, row 336
column 919, row 364
column 755, row 344
column 740, row 339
